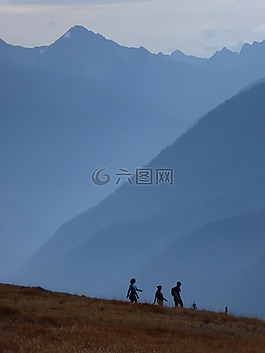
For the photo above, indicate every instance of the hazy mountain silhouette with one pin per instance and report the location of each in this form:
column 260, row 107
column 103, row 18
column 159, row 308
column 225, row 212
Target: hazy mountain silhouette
column 180, row 57
column 208, row 262
column 19, row 55
column 56, row 129
column 85, row 102
column 22, row 232
column 164, row 233
column 248, row 62
column 244, row 292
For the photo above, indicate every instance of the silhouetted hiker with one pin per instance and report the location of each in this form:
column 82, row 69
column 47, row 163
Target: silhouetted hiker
column 132, row 291
column 175, row 292
column 226, row 309
column 159, row 298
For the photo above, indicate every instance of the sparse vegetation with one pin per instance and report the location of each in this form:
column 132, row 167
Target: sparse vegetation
column 33, row 320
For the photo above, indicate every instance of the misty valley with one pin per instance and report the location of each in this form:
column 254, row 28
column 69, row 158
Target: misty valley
column 182, row 139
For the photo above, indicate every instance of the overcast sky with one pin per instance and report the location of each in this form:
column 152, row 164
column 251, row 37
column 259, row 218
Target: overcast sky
column 198, row 27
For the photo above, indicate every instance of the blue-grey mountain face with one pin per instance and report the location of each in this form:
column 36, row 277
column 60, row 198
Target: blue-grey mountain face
column 245, row 291
column 22, row 232
column 201, row 230
column 86, row 102
column 19, row 55
column 210, row 261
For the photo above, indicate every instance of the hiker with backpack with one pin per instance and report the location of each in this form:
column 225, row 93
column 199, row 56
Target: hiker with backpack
column 175, row 292
column 132, row 291
column 159, row 297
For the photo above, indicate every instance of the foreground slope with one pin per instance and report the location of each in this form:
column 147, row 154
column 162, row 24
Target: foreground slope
column 35, row 320
column 219, row 174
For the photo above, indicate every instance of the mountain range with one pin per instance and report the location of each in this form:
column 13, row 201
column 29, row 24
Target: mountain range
column 204, row 229
column 85, row 102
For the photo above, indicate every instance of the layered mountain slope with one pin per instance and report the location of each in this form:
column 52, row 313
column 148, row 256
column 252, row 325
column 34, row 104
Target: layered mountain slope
column 208, row 260
column 21, row 233
column 86, row 102
column 244, row 292
column 56, row 129
column 218, row 173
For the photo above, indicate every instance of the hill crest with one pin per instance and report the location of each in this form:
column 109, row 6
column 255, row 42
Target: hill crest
column 36, row 320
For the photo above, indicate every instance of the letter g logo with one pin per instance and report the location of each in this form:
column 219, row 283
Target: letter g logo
column 96, row 177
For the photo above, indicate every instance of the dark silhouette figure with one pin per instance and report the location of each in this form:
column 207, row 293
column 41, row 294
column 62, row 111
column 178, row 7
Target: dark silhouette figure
column 132, row 291
column 175, row 292
column 194, row 306
column 159, row 297
column 226, row 309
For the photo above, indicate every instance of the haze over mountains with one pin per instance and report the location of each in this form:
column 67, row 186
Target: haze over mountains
column 204, row 230
column 86, row 102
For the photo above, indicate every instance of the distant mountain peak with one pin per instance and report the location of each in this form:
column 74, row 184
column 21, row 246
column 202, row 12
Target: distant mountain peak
column 76, row 31
column 78, row 28
column 224, row 51
column 80, row 34
column 179, row 56
column 249, row 48
column 223, row 54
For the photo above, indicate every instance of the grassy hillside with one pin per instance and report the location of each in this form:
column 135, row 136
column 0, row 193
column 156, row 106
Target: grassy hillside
column 36, row 320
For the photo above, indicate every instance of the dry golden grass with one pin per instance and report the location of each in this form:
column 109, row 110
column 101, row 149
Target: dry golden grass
column 33, row 320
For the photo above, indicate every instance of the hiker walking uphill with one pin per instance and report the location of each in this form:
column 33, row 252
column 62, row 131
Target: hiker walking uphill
column 132, row 291
column 159, row 297
column 175, row 292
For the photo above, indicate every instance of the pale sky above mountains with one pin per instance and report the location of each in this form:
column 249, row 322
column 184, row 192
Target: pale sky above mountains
column 197, row 27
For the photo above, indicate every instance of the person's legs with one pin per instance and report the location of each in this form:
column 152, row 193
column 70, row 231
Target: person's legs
column 133, row 298
column 178, row 302
column 160, row 302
